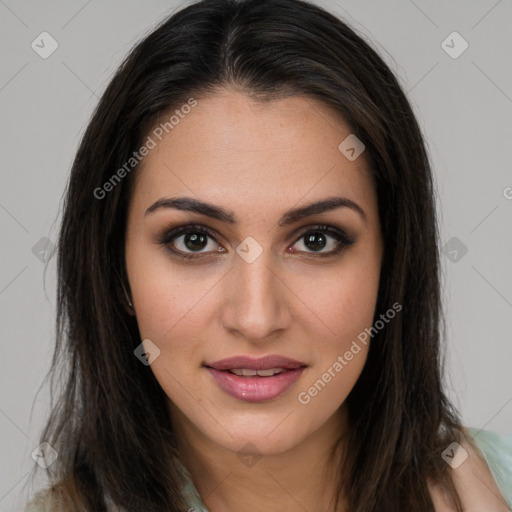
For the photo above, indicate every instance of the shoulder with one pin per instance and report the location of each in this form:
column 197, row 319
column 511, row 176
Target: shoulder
column 482, row 472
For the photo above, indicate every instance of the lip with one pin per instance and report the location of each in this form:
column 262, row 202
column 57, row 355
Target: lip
column 250, row 363
column 255, row 388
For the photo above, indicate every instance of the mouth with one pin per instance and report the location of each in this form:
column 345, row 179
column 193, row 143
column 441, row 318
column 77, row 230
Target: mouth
column 246, row 372
column 255, row 380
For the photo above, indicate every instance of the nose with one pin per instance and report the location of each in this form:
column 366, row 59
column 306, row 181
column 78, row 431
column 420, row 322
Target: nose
column 257, row 300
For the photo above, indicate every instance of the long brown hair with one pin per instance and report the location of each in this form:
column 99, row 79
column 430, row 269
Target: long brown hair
column 110, row 423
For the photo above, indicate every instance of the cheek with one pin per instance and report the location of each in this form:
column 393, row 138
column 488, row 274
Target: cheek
column 341, row 303
column 340, row 355
column 170, row 313
column 345, row 308
column 160, row 291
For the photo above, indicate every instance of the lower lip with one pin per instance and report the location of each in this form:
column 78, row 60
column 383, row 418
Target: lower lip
column 255, row 389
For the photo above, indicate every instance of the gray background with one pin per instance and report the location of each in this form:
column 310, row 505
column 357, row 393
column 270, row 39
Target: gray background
column 464, row 106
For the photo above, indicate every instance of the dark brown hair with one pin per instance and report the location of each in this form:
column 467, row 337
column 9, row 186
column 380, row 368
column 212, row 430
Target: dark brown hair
column 110, row 423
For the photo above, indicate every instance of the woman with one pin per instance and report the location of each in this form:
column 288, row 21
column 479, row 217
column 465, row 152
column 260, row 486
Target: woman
column 249, row 300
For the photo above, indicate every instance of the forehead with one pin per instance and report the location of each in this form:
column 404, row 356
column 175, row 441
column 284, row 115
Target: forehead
column 232, row 150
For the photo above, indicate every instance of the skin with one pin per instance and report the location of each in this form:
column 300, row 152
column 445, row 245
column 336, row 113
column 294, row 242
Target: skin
column 474, row 483
column 257, row 161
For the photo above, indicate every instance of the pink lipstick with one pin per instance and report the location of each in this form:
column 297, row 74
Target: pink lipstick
column 255, row 380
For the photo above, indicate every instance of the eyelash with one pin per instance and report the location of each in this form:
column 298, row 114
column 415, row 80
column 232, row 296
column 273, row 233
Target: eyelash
column 343, row 239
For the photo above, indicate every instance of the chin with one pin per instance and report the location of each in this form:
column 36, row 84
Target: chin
column 257, row 443
column 271, row 434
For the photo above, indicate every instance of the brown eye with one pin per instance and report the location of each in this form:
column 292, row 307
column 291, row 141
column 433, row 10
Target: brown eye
column 190, row 241
column 195, row 241
column 317, row 239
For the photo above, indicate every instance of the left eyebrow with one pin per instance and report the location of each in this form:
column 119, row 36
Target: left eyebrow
column 290, row 217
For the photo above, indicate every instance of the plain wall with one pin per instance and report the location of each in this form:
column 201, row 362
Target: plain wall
column 463, row 104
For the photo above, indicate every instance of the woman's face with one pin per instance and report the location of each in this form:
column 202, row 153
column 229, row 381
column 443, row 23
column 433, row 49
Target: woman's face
column 257, row 285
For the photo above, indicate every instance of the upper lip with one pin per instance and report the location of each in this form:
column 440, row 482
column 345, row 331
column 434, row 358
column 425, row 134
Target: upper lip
column 249, row 363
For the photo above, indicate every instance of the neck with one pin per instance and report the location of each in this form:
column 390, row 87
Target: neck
column 301, row 478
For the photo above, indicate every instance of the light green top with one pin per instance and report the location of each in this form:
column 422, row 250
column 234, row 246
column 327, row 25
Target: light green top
column 496, row 449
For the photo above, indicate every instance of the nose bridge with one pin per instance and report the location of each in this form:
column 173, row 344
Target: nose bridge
column 256, row 304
